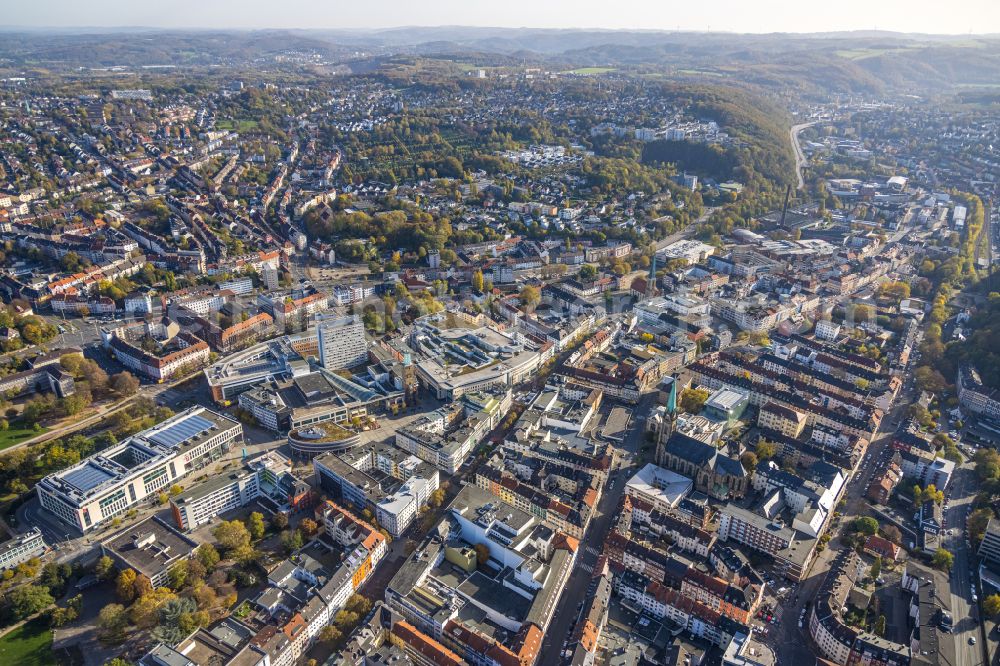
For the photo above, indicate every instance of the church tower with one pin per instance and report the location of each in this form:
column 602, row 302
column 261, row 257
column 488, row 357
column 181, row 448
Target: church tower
column 667, row 427
column 651, row 279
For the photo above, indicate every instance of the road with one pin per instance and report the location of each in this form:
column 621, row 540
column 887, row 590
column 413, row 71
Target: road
column 686, row 231
column 592, row 544
column 966, row 614
column 794, row 645
column 800, row 158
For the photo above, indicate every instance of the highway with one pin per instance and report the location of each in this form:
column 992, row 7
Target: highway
column 800, row 158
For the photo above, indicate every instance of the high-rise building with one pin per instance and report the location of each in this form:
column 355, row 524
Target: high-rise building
column 342, row 342
column 989, row 549
column 271, row 278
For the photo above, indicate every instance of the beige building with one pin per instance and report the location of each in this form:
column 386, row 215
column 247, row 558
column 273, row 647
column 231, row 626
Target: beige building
column 785, row 420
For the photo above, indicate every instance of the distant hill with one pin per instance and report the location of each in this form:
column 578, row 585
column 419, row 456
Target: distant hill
column 839, row 62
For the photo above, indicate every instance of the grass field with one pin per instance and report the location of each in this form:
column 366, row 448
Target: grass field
column 591, row 71
column 9, row 438
column 238, row 125
column 862, row 53
column 30, row 645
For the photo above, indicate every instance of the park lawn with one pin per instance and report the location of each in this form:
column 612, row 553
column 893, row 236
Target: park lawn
column 30, row 645
column 12, row 436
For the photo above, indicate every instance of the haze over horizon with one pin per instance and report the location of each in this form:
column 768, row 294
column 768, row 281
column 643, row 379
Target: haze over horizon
column 747, row 16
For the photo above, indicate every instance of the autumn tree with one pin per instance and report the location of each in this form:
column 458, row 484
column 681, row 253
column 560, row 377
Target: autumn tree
column 766, row 450
column 125, row 586
column 991, row 605
column 231, row 535
column 255, row 525
column 308, row 527
column 892, row 533
column 530, row 296
column 330, row 635
column 124, row 384
column 111, row 622
column 693, row 399
column 482, row 554
column 943, row 559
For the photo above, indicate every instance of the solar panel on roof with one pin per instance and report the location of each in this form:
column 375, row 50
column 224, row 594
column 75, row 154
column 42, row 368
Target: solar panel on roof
column 181, row 431
column 87, row 477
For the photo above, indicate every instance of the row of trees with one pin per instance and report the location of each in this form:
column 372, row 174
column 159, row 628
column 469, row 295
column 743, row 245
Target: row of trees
column 21, row 467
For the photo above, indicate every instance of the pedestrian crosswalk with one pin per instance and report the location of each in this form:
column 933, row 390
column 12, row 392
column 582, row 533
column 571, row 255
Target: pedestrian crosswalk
column 592, row 550
column 586, row 567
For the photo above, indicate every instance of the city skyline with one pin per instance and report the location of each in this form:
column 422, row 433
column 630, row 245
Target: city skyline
column 761, row 16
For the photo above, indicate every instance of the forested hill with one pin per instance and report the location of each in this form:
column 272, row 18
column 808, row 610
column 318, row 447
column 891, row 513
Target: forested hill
column 757, row 124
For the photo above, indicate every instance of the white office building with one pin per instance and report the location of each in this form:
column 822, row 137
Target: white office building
column 342, row 342
column 109, row 483
column 21, row 548
column 199, row 505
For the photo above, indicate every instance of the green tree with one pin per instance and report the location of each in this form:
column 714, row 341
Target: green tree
column 27, row 600
column 977, row 522
column 291, row 540
column 879, row 628
column 766, row 450
column 588, row 273
column 876, row 569
column 866, row 525
column 105, row 568
column 207, row 555
column 178, row 575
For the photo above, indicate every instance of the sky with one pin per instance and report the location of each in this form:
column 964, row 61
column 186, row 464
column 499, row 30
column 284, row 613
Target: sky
column 756, row 16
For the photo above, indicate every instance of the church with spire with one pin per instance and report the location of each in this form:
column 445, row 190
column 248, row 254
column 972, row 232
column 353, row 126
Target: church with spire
column 645, row 287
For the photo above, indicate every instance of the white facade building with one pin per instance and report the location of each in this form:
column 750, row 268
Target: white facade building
column 342, row 342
